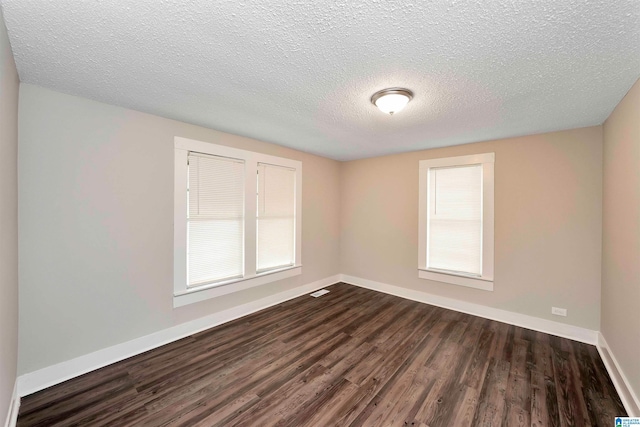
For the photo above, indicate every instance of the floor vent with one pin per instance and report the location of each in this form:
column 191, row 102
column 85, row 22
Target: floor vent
column 319, row 293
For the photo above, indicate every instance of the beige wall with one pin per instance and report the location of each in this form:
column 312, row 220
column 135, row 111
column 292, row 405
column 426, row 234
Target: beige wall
column 96, row 199
column 621, row 236
column 8, row 221
column 96, row 225
column 548, row 204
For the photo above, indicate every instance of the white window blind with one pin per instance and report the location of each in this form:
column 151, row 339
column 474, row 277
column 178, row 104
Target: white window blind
column 455, row 219
column 215, row 239
column 275, row 217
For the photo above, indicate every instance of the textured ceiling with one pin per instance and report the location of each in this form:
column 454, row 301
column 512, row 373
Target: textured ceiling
column 300, row 73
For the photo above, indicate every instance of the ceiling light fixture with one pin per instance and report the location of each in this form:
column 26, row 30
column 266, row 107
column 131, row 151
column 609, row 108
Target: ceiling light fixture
column 391, row 100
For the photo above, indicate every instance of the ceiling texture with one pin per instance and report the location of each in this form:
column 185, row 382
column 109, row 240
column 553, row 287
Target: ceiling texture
column 300, row 73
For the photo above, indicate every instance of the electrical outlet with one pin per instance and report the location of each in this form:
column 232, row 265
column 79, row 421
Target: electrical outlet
column 559, row 311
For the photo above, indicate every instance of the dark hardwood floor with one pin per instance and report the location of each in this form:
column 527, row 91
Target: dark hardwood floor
column 353, row 357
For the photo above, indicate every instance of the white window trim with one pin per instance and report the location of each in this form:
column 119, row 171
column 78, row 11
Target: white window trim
column 485, row 281
column 182, row 295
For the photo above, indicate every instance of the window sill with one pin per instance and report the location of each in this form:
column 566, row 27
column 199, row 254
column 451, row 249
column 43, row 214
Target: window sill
column 454, row 279
column 202, row 293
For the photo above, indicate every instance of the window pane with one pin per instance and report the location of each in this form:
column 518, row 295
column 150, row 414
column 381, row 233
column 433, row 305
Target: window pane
column 276, row 217
column 455, row 219
column 215, row 219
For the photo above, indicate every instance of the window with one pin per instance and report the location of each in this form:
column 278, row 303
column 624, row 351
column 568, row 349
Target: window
column 276, row 217
column 236, row 221
column 456, row 220
column 215, row 218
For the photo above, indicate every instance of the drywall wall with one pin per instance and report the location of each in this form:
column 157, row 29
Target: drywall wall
column 621, row 235
column 548, row 213
column 96, row 225
column 9, row 84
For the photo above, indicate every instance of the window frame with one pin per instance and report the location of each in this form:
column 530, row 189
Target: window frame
column 485, row 281
column 182, row 293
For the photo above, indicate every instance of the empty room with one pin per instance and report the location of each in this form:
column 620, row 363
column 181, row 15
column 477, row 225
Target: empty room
column 319, row 213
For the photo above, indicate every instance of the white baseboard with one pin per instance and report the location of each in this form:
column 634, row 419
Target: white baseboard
column 14, row 406
column 563, row 330
column 629, row 398
column 38, row 380
column 46, row 377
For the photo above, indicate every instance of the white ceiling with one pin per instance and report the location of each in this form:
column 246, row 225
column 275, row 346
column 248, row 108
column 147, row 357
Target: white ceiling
column 301, row 73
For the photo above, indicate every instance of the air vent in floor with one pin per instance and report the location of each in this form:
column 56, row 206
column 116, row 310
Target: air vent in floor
column 319, row 293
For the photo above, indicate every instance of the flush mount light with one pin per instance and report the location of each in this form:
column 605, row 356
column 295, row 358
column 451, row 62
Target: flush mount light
column 391, row 100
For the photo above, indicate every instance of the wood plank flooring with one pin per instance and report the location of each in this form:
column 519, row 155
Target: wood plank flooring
column 353, row 357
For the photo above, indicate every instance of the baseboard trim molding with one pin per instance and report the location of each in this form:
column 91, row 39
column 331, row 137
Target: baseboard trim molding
column 46, row 377
column 51, row 375
column 629, row 398
column 563, row 330
column 14, row 406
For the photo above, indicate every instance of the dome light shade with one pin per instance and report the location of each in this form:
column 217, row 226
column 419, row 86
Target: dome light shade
column 391, row 100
